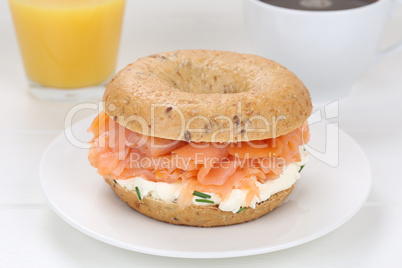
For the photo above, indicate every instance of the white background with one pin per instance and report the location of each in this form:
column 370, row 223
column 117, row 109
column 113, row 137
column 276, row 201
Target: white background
column 32, row 235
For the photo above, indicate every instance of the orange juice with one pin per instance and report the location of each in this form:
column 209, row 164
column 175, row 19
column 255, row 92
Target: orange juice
column 68, row 43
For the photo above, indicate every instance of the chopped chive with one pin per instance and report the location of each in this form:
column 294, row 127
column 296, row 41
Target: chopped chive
column 240, row 210
column 199, row 194
column 138, row 193
column 205, row 201
column 114, row 181
column 301, row 168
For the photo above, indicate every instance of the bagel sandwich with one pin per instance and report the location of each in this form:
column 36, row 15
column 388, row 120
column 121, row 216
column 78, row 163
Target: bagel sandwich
column 202, row 138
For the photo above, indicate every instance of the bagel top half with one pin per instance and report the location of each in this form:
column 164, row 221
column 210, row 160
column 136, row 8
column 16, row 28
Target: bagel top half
column 207, row 96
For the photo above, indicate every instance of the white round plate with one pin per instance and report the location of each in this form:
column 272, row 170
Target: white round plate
column 324, row 198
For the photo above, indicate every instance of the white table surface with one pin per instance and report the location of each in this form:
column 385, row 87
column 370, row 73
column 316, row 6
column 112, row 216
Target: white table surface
column 32, row 235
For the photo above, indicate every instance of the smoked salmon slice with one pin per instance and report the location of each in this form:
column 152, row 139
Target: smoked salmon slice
column 205, row 167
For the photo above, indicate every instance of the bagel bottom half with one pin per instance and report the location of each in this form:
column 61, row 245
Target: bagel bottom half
column 193, row 215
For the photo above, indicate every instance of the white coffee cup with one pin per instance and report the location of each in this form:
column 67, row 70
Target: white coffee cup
column 327, row 50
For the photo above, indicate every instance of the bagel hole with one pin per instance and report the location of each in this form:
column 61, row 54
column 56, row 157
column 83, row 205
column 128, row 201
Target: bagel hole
column 206, row 79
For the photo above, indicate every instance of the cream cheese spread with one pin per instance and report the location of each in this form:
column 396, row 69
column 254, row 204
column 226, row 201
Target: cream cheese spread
column 169, row 192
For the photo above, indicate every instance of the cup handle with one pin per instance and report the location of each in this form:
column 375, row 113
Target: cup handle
column 393, row 49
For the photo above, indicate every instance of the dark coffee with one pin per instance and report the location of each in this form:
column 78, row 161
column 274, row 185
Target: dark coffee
column 319, row 5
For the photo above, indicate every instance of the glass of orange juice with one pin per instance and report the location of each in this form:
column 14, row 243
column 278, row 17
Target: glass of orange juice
column 69, row 47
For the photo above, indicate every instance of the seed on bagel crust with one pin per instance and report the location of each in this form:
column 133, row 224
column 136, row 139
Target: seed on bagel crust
column 236, row 120
column 187, row 136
